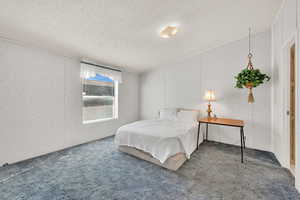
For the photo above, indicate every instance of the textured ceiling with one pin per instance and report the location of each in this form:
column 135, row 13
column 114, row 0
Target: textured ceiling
column 125, row 32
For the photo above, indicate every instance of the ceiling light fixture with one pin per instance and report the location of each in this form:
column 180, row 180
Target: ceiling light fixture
column 168, row 31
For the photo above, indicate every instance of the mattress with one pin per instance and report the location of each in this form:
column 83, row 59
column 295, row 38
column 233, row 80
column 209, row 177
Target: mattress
column 160, row 138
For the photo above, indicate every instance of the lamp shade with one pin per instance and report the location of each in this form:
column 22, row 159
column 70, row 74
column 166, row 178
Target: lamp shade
column 209, row 95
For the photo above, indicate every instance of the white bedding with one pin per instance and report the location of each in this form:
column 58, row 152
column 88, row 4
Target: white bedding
column 161, row 138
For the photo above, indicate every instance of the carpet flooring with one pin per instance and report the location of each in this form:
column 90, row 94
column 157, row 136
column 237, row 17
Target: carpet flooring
column 97, row 171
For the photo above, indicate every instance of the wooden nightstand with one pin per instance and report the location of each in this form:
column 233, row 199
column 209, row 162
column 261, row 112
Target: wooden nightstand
column 223, row 122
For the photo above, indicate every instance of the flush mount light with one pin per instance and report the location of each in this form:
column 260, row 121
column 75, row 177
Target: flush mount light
column 168, row 31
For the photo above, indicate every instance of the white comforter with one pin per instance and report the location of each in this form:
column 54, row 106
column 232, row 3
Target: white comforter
column 161, row 138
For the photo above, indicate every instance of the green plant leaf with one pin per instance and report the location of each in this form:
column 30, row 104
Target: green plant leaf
column 247, row 76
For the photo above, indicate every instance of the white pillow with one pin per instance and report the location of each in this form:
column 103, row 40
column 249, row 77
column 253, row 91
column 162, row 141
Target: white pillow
column 188, row 116
column 168, row 113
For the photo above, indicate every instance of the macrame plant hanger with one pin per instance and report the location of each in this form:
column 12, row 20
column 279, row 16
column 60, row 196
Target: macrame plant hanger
column 250, row 67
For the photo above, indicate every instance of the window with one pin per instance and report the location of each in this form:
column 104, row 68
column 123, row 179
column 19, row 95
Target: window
column 100, row 93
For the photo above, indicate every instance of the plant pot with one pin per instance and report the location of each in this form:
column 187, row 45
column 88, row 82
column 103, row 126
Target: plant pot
column 249, row 85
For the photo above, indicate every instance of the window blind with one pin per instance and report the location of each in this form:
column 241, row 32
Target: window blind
column 89, row 70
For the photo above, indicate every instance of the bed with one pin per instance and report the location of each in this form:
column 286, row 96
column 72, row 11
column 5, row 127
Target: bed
column 168, row 141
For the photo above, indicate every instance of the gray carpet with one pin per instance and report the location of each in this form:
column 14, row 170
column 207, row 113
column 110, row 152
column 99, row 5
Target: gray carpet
column 98, row 171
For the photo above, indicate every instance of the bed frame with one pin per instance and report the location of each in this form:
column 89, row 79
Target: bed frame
column 173, row 163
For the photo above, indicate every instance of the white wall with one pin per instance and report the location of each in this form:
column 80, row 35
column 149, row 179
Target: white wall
column 284, row 33
column 182, row 84
column 40, row 109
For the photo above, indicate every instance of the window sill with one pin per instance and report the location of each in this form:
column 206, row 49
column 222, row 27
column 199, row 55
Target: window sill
column 98, row 120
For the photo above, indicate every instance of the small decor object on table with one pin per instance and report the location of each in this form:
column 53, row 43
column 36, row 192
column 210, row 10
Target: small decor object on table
column 250, row 77
column 209, row 96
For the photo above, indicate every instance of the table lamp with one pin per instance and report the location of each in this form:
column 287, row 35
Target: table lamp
column 209, row 96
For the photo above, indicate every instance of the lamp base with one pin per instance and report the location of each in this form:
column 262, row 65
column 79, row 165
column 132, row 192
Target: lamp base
column 209, row 111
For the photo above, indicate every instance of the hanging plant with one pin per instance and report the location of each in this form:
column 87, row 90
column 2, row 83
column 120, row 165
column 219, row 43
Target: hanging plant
column 250, row 77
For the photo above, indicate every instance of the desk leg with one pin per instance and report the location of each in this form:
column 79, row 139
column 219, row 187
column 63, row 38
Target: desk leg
column 198, row 135
column 243, row 138
column 242, row 145
column 206, row 131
